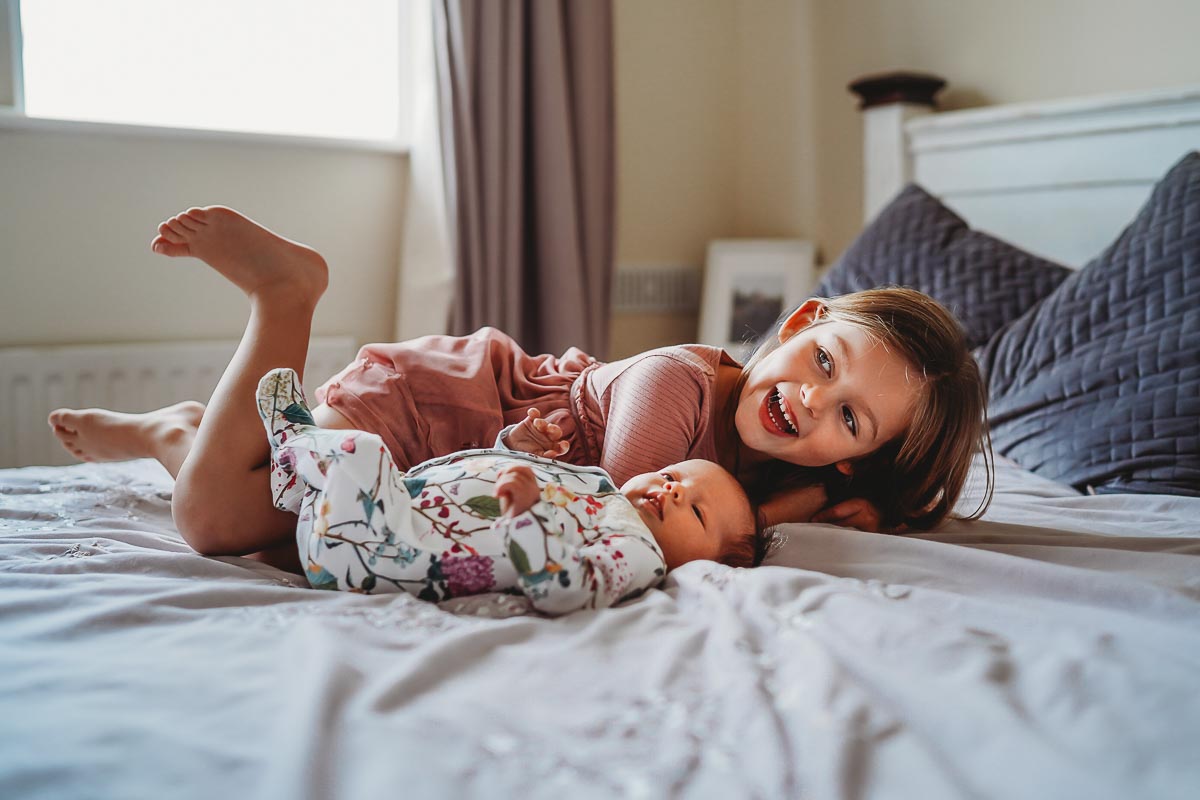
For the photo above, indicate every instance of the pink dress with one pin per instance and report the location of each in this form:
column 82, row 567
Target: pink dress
column 435, row 395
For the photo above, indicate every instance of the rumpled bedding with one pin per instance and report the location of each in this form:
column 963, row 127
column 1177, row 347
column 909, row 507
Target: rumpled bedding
column 1050, row 650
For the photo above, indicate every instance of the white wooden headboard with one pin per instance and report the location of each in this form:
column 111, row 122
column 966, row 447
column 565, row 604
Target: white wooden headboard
column 1061, row 178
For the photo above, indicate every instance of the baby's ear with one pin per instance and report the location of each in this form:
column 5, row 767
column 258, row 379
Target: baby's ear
column 846, row 468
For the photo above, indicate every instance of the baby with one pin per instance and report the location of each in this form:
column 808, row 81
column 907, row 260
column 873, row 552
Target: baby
column 493, row 520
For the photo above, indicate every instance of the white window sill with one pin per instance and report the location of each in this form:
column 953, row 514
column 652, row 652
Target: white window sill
column 11, row 119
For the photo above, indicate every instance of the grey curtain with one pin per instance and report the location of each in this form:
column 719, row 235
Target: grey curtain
column 527, row 124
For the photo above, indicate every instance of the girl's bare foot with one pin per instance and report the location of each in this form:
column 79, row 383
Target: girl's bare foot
column 96, row 434
column 261, row 263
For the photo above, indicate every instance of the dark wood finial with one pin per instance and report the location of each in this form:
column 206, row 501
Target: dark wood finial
column 897, row 87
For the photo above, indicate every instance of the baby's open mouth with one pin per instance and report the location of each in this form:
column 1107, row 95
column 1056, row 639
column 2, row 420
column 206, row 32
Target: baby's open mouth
column 780, row 416
column 654, row 503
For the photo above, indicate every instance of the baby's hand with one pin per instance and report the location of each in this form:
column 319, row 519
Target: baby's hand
column 517, row 490
column 538, row 437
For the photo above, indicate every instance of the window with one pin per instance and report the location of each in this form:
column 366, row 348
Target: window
column 300, row 67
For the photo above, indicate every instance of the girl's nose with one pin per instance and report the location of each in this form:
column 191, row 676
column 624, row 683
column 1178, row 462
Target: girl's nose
column 673, row 490
column 813, row 397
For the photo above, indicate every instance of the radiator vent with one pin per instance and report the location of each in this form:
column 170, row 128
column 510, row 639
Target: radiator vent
column 669, row 289
column 126, row 377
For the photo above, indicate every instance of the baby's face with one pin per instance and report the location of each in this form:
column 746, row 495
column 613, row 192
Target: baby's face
column 695, row 509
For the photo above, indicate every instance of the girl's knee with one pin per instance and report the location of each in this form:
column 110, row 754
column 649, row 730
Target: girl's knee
column 200, row 529
column 202, row 519
column 228, row 512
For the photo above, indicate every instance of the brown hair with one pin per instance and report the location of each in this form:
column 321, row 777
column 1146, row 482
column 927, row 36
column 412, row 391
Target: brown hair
column 916, row 478
column 743, row 552
column 746, row 550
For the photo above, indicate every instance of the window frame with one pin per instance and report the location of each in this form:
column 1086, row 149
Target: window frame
column 16, row 55
column 13, row 116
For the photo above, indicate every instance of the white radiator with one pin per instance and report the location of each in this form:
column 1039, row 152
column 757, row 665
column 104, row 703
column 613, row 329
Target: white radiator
column 125, row 377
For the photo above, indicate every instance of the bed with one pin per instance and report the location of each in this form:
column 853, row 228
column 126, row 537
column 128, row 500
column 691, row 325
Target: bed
column 1050, row 650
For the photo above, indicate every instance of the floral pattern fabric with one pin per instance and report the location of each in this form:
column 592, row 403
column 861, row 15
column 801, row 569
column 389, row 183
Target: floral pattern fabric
column 436, row 531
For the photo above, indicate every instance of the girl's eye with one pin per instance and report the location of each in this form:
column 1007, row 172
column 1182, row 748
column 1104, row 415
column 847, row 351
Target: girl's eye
column 848, row 418
column 667, row 476
column 825, row 362
column 699, row 516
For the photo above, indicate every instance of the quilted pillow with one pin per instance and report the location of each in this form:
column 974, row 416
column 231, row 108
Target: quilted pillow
column 1098, row 385
column 916, row 241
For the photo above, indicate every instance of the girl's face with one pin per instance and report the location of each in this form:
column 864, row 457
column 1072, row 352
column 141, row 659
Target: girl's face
column 829, row 394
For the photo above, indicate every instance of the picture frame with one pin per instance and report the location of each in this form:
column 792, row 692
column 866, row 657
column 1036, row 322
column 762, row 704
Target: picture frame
column 748, row 285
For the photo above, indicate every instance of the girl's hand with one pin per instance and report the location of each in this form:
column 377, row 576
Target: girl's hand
column 857, row 512
column 517, row 490
column 792, row 505
column 538, row 437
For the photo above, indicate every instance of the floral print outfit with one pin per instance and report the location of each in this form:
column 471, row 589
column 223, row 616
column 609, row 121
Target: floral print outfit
column 436, row 531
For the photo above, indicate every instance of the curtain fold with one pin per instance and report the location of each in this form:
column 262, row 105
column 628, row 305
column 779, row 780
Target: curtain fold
column 427, row 274
column 527, row 121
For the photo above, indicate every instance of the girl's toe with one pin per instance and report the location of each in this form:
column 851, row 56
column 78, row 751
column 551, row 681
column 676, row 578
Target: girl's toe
column 171, row 234
column 187, row 223
column 164, row 247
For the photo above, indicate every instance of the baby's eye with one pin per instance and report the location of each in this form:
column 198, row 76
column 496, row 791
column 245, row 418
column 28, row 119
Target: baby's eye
column 667, row 476
column 699, row 516
column 848, row 418
column 825, row 362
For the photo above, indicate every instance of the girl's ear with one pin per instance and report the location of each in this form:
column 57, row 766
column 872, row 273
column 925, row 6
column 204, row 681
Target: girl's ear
column 846, row 468
column 809, row 312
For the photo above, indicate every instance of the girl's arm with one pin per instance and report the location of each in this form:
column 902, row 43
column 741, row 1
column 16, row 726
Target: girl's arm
column 857, row 512
column 812, row 504
column 654, row 414
column 802, row 504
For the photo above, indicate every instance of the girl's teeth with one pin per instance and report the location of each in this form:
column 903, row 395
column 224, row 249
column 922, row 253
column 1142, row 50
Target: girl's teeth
column 789, row 426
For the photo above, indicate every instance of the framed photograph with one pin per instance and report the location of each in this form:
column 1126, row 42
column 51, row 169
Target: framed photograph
column 748, row 285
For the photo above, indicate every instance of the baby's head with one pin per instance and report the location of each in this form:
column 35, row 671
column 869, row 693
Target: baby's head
column 696, row 510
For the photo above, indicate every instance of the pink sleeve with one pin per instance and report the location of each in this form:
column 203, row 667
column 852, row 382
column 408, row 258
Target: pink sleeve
column 654, row 415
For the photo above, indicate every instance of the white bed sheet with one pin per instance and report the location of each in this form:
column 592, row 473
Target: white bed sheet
column 1052, row 650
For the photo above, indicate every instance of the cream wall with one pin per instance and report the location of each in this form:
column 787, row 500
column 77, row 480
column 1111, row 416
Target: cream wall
column 734, row 118
column 990, row 52
column 78, row 210
column 676, row 78
column 704, row 89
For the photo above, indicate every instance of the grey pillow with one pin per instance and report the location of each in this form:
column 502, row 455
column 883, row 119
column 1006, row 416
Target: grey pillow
column 916, row 241
column 1098, row 385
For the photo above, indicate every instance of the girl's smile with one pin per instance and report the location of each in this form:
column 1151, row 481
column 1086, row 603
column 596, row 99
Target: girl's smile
column 775, row 415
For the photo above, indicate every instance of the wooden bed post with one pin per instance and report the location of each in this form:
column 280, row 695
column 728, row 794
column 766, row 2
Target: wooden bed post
column 888, row 101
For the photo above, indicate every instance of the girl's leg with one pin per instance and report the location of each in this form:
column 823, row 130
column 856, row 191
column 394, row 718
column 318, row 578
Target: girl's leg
column 96, row 434
column 164, row 434
column 222, row 499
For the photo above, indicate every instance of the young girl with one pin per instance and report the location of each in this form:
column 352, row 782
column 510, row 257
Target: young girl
column 875, row 388
column 490, row 520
